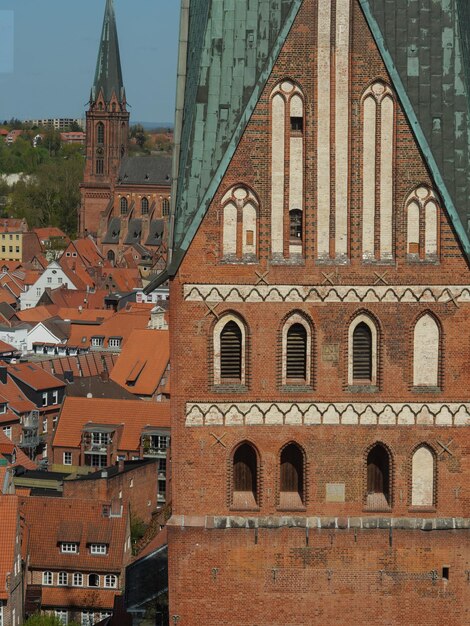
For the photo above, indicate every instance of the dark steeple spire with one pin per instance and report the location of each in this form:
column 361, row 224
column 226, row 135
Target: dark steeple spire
column 108, row 75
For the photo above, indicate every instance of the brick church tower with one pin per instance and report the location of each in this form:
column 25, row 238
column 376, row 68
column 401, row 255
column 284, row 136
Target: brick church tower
column 320, row 314
column 107, row 129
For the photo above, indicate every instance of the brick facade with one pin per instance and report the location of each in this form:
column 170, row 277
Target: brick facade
column 338, row 558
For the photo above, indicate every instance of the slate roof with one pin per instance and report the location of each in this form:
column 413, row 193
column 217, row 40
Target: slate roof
column 145, row 170
column 108, row 75
column 134, row 231
column 226, row 57
column 113, row 232
column 155, row 236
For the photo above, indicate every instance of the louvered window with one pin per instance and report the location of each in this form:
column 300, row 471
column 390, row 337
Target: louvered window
column 231, row 352
column 296, row 353
column 362, row 353
column 100, row 133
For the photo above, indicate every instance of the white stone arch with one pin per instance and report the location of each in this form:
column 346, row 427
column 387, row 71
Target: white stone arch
column 426, row 350
column 423, row 200
column 370, row 322
column 239, row 205
column 287, row 187
column 217, row 330
column 297, row 318
column 422, row 477
column 378, row 108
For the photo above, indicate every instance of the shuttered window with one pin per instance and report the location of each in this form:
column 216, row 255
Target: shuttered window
column 292, row 470
column 296, row 352
column 231, row 352
column 245, row 469
column 362, row 353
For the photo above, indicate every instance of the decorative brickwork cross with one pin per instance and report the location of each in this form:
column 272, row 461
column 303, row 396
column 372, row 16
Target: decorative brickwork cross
column 262, row 278
column 380, row 278
column 452, row 298
column 328, row 278
column 211, row 306
column 218, row 440
column 445, row 448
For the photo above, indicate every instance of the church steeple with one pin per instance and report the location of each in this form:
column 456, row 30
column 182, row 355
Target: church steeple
column 108, row 75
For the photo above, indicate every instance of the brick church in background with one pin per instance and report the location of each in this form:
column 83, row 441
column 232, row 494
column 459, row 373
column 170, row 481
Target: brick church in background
column 124, row 200
column 320, row 317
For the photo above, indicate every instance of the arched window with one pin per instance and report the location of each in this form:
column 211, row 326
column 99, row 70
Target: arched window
column 93, row 580
column 378, row 478
column 362, row 353
column 426, row 346
column 124, row 206
column 378, row 113
column 239, row 223
column 100, row 133
column 287, row 173
column 296, row 352
column 245, row 477
column 422, row 217
column 165, row 207
column 110, row 580
column 231, row 352
column 422, row 477
column 111, row 256
column 144, row 206
column 291, row 488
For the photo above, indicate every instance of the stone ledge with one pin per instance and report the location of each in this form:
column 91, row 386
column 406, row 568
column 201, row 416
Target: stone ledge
column 320, row 523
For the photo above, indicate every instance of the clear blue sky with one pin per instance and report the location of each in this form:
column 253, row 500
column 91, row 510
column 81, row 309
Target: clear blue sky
column 47, row 63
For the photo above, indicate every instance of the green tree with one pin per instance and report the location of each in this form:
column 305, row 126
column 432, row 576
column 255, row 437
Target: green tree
column 40, row 619
column 51, row 141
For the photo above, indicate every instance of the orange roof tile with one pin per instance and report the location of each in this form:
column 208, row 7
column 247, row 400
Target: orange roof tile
column 71, row 597
column 7, row 296
column 38, row 313
column 9, row 516
column 85, row 315
column 7, row 447
column 77, row 297
column 48, row 232
column 78, row 412
column 142, row 361
column 34, row 376
column 6, row 347
column 121, row 324
column 122, row 279
column 82, row 514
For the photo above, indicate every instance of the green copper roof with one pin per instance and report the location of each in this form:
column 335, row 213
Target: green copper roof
column 426, row 47
column 108, row 75
column 232, row 48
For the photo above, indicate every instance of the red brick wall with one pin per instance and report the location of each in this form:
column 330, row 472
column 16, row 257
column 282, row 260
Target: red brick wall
column 243, row 590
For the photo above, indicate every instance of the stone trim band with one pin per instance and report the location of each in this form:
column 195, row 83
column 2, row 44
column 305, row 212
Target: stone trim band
column 319, row 294
column 311, row 414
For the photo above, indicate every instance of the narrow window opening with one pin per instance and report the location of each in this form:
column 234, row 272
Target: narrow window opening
column 144, row 206
column 292, row 478
column 124, row 206
column 297, row 124
column 296, row 353
column 295, row 219
column 100, row 166
column 100, row 133
column 362, row 353
column 245, row 471
column 231, row 353
column 445, row 573
column 378, row 478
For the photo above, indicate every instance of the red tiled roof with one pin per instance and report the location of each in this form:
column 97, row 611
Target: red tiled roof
column 78, row 412
column 80, row 513
column 15, row 397
column 84, row 315
column 38, row 313
column 6, row 347
column 76, row 597
column 34, row 376
column 142, row 361
column 9, row 518
column 121, row 324
column 7, row 296
column 7, row 447
column 121, row 279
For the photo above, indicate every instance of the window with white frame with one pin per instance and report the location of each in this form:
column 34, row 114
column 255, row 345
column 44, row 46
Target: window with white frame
column 97, row 342
column 44, row 425
column 105, row 614
column 47, row 578
column 99, row 439
column 114, row 342
column 88, row 617
column 62, row 578
column 3, row 408
column 77, row 579
column 1, row 613
column 69, row 547
column 62, row 615
column 44, row 399
column 67, row 458
column 44, row 451
column 38, row 291
column 49, row 280
column 7, row 431
column 93, row 580
column 110, row 580
column 229, row 351
column 98, row 548
column 55, row 397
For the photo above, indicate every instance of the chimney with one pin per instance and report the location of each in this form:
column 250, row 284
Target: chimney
column 3, row 374
column 121, row 465
column 104, row 376
column 68, row 376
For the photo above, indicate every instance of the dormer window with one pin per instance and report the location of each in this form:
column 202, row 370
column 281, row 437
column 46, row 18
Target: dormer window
column 97, row 342
column 3, row 407
column 100, row 439
column 98, row 548
column 69, row 547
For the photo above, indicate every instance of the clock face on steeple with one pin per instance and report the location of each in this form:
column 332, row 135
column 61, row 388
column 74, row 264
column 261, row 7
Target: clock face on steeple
column 99, row 151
